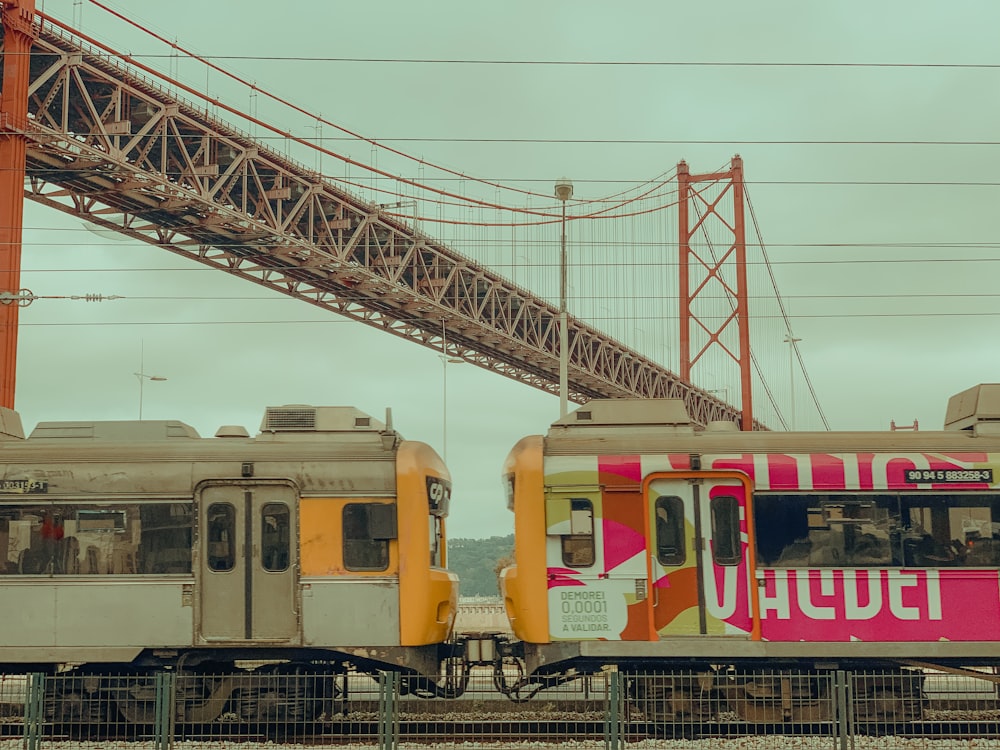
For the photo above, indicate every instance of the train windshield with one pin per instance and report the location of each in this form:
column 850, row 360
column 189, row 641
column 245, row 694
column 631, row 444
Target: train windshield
column 436, row 538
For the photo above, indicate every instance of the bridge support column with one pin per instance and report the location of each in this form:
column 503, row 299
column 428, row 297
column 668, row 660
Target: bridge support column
column 18, row 35
column 701, row 265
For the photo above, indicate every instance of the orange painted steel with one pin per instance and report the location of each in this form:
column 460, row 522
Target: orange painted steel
column 683, row 196
column 691, row 261
column 18, row 35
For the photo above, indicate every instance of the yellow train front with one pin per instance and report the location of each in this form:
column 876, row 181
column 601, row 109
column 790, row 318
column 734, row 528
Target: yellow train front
column 317, row 544
column 705, row 562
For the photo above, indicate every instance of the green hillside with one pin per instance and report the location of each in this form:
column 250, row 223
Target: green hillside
column 477, row 561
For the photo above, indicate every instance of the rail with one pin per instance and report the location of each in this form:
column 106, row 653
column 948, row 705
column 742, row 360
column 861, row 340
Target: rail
column 317, row 708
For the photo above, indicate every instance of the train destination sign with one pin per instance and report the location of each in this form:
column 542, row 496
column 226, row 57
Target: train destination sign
column 949, row 476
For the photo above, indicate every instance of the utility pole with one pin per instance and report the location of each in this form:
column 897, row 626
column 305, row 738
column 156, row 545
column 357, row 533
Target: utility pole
column 564, row 191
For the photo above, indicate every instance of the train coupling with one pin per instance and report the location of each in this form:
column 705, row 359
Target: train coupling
column 487, row 648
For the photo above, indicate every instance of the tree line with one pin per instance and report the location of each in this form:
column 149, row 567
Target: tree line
column 478, row 562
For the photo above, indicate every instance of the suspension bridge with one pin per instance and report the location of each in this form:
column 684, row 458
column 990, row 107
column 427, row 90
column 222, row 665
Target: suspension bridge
column 660, row 278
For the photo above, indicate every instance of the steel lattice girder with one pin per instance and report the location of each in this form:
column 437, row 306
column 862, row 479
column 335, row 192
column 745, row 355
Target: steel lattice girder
column 115, row 148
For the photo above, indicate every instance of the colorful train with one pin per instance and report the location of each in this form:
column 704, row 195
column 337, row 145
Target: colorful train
column 701, row 563
column 645, row 543
column 319, row 543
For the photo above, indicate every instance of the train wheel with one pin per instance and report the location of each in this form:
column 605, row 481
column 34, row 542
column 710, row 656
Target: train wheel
column 205, row 699
column 676, row 704
column 131, row 701
column 886, row 702
column 781, row 698
column 289, row 702
column 75, row 706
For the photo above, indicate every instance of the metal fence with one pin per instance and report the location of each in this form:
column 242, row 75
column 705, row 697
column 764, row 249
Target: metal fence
column 272, row 706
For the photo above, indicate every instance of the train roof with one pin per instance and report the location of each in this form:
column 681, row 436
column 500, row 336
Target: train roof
column 294, row 431
column 279, row 423
column 630, row 426
column 306, row 444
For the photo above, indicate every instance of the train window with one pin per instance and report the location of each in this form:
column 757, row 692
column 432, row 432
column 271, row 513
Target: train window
column 87, row 539
column 220, row 536
column 33, row 540
column 956, row 530
column 860, row 511
column 835, row 530
column 366, row 536
column 275, row 528
column 578, row 545
column 878, row 530
column 100, row 520
column 509, row 486
column 435, row 541
column 670, row 543
column 166, row 534
column 725, row 530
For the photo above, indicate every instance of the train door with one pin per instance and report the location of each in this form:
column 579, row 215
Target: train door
column 699, row 550
column 248, row 569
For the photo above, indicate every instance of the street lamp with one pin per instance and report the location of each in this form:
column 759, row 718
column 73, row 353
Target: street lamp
column 564, row 191
column 445, row 361
column 791, row 341
column 142, row 376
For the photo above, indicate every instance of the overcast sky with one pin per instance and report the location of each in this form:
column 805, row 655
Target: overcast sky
column 870, row 241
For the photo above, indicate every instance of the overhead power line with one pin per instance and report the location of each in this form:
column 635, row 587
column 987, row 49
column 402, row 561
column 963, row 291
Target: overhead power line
column 318, row 119
column 419, row 184
column 587, row 264
column 657, row 141
column 584, row 63
column 657, row 182
column 587, row 319
column 588, row 298
column 860, row 244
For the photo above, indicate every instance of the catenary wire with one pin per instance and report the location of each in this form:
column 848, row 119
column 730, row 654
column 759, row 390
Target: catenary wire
column 335, row 180
column 590, row 297
column 424, row 322
column 286, row 103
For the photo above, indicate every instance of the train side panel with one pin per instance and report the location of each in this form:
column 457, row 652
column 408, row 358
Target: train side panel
column 679, row 546
column 853, row 549
column 82, row 620
column 356, row 607
column 700, row 573
column 606, row 580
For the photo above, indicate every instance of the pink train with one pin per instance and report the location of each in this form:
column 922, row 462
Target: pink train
column 644, row 543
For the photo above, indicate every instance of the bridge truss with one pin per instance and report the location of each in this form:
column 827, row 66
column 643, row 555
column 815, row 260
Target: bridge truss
column 109, row 143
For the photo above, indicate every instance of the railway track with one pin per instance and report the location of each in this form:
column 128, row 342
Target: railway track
column 434, row 731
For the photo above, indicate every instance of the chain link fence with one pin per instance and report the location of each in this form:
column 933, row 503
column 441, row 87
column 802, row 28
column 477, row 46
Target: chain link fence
column 276, row 706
